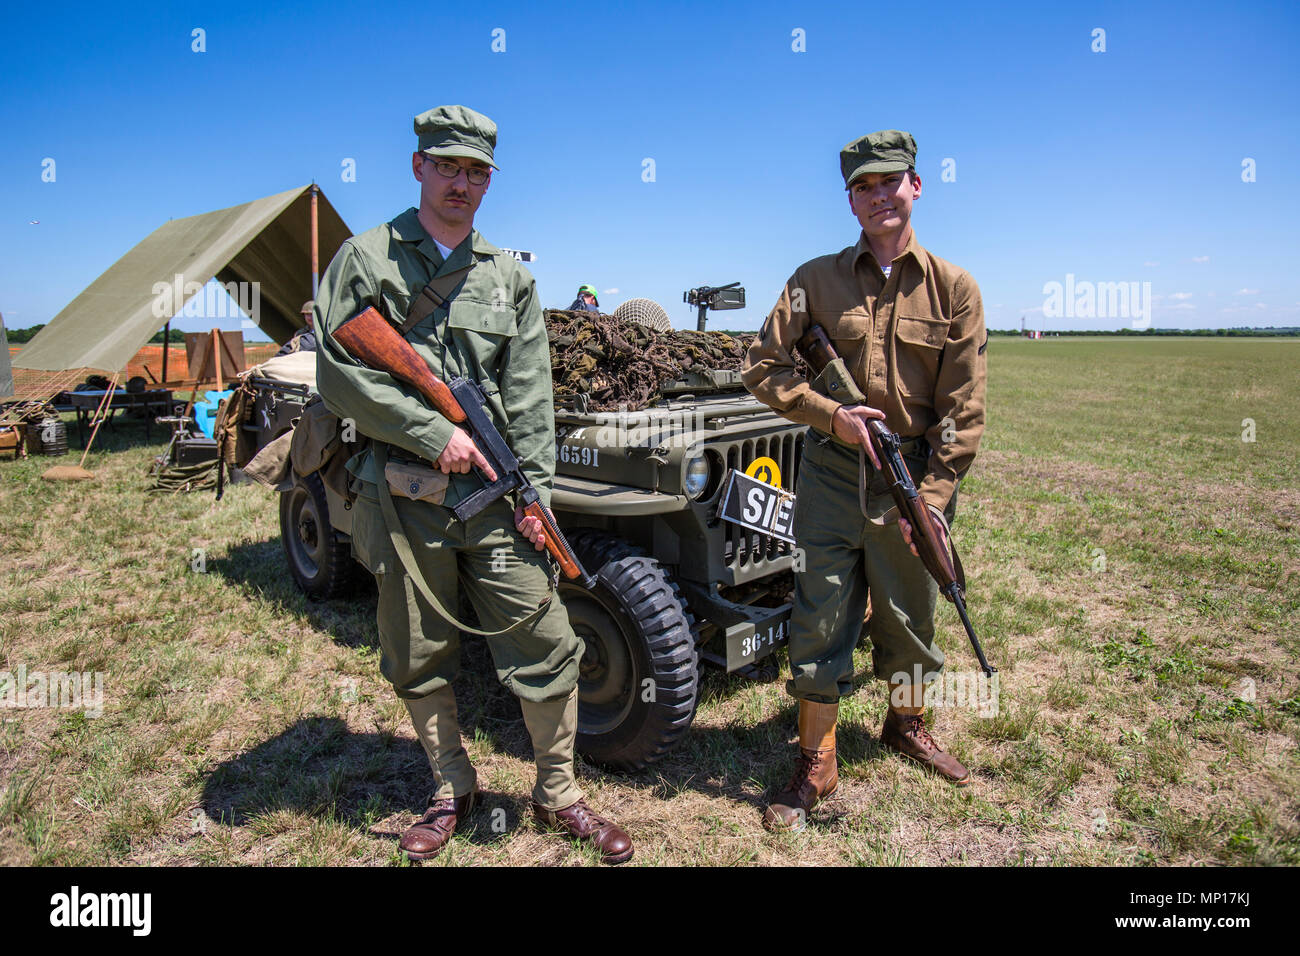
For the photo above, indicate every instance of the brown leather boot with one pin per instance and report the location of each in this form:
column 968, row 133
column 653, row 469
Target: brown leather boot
column 816, row 773
column 584, row 823
column 906, row 733
column 425, row 838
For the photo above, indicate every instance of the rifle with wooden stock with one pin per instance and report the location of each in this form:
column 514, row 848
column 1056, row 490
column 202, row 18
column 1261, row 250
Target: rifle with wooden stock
column 942, row 562
column 370, row 339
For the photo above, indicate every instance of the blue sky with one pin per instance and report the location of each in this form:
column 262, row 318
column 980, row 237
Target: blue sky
column 1117, row 166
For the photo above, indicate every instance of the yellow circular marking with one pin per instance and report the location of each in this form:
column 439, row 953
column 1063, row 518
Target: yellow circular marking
column 765, row 470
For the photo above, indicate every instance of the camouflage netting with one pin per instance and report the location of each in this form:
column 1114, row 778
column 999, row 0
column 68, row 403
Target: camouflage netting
column 623, row 364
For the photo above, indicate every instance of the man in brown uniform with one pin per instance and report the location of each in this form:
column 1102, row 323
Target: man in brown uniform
column 910, row 328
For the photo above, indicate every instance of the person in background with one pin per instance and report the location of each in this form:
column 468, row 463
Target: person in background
column 304, row 340
column 586, row 300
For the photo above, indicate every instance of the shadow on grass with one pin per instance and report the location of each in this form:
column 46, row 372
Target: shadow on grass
column 730, row 762
column 743, row 761
column 320, row 769
column 317, row 767
column 260, row 568
column 127, row 429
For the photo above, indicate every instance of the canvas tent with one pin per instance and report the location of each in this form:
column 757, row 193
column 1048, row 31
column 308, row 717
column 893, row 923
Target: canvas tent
column 266, row 241
column 6, row 373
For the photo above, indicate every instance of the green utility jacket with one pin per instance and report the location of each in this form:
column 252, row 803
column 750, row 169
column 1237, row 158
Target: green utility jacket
column 491, row 331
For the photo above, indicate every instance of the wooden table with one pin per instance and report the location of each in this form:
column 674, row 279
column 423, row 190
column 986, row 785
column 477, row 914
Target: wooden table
column 153, row 401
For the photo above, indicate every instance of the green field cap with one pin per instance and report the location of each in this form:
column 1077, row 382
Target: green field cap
column 590, row 289
column 887, row 151
column 457, row 131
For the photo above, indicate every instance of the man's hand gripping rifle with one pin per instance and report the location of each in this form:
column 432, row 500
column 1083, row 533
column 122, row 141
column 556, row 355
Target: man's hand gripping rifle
column 370, row 339
column 929, row 537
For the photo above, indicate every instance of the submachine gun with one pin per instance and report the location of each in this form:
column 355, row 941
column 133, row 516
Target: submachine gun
column 369, row 338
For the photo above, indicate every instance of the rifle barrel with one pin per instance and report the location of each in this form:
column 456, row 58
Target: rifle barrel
column 989, row 669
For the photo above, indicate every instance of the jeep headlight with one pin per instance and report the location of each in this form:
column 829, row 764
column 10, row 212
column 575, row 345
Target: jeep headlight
column 697, row 476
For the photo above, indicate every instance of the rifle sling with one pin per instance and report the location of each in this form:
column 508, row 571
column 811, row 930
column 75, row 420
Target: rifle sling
column 437, row 293
column 403, row 548
column 864, row 481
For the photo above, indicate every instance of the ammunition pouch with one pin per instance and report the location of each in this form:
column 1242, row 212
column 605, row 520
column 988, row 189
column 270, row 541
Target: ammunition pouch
column 834, row 381
column 415, row 481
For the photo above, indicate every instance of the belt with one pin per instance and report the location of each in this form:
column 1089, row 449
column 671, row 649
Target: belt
column 916, row 446
column 404, row 457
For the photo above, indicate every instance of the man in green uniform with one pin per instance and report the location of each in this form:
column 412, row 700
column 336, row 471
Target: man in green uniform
column 468, row 310
column 910, row 329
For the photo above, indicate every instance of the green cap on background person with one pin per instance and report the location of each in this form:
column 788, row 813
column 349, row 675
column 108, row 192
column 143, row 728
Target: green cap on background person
column 886, row 151
column 456, row 131
column 589, row 289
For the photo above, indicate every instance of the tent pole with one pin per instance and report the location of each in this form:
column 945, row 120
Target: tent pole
column 167, row 347
column 315, row 245
column 216, row 353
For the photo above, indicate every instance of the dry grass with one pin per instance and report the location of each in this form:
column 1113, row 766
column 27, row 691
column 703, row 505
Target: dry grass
column 245, row 725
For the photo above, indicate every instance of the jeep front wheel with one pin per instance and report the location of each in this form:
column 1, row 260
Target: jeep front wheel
column 638, row 682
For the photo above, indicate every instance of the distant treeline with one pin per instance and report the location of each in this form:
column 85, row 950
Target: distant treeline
column 19, row 336
column 22, row 336
column 1251, row 332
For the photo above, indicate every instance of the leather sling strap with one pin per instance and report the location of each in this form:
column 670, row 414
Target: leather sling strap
column 437, row 293
column 864, row 481
column 402, row 546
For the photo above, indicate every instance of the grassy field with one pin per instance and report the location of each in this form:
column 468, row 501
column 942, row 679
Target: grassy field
column 1134, row 572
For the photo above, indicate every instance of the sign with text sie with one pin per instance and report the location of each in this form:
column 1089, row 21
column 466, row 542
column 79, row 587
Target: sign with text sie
column 758, row 506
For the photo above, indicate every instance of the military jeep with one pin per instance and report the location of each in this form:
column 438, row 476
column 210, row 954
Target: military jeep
column 639, row 494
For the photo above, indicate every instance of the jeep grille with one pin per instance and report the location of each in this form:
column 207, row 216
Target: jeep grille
column 749, row 549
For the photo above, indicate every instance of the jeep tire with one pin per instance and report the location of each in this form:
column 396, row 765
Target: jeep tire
column 320, row 558
column 638, row 683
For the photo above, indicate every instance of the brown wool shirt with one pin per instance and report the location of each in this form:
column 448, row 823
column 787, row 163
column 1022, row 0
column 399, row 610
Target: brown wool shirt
column 914, row 343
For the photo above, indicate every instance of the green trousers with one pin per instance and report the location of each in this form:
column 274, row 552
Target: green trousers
column 847, row 557
column 503, row 575
column 552, row 725
column 505, row 579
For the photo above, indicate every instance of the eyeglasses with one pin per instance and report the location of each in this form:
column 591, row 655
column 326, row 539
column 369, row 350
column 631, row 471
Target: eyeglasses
column 477, row 175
